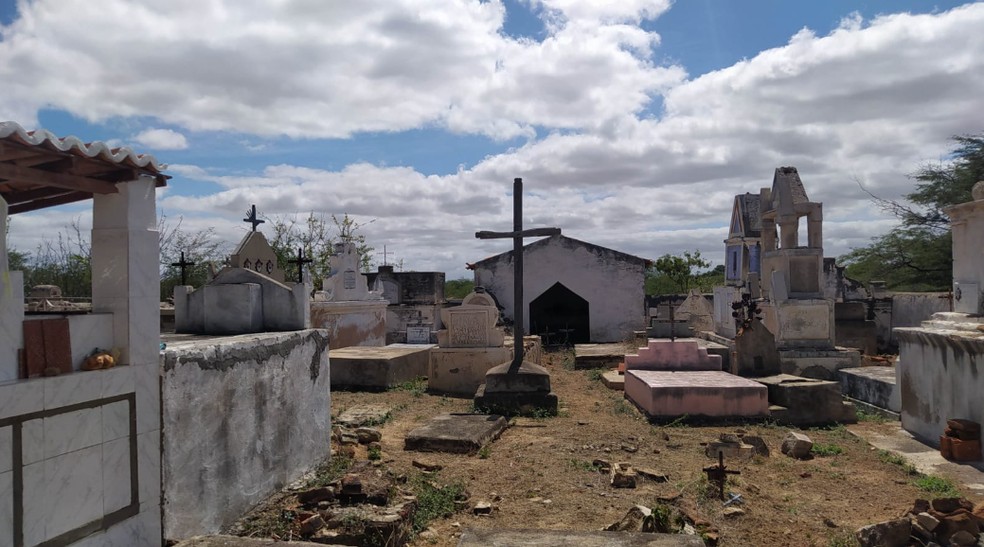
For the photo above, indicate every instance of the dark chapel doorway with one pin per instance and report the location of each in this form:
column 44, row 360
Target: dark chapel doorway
column 560, row 316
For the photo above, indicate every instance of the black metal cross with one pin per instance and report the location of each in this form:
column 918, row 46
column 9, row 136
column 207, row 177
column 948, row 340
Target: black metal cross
column 183, row 264
column 517, row 236
column 251, row 217
column 301, row 260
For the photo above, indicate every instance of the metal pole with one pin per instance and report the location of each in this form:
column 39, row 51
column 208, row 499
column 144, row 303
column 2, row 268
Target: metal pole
column 518, row 327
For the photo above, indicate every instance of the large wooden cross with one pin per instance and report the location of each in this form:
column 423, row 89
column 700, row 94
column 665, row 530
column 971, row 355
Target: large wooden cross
column 517, row 236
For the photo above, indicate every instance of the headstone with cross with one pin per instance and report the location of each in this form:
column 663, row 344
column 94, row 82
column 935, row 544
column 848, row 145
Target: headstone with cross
column 517, row 386
column 301, row 260
column 183, row 264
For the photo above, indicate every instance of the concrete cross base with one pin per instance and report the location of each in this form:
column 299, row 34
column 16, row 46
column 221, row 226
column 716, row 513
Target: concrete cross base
column 696, row 394
column 511, row 403
column 529, row 378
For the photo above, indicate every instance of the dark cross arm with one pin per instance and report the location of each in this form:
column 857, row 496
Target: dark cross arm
column 533, row 232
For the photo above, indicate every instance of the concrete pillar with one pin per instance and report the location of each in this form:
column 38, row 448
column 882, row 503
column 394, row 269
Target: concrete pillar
column 789, row 232
column 814, row 227
column 126, row 282
column 768, row 235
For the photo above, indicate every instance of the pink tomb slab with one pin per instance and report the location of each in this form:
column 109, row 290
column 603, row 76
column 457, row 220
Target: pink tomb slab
column 672, row 355
column 661, row 393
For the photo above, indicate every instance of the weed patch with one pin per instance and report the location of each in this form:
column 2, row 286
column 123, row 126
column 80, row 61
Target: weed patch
column 823, row 450
column 416, row 387
column 433, row 502
column 937, row 486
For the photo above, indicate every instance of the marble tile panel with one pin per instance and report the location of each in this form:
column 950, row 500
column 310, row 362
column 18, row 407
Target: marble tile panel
column 7, row 509
column 115, row 420
column 21, row 397
column 73, row 490
column 116, row 475
column 72, row 431
column 144, row 278
column 6, row 446
column 69, row 389
column 149, row 466
column 144, row 330
column 107, row 210
column 147, row 388
column 109, row 264
column 11, row 330
column 117, row 381
column 35, row 504
column 141, row 204
column 143, row 528
column 32, row 441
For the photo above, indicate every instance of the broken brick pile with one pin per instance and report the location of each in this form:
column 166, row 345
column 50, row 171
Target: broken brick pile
column 961, row 441
column 944, row 521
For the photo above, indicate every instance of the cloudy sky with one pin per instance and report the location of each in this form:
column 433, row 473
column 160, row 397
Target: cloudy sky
column 633, row 123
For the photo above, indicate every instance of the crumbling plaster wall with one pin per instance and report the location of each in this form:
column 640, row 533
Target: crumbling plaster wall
column 242, row 416
column 613, row 287
column 940, row 376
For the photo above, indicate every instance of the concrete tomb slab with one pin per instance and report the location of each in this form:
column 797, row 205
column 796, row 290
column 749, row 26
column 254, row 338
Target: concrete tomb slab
column 509, row 390
column 455, row 433
column 360, row 415
column 371, row 367
column 807, row 401
column 563, row 538
column 821, row 364
column 613, row 379
column 872, row 385
column 701, row 393
column 598, row 355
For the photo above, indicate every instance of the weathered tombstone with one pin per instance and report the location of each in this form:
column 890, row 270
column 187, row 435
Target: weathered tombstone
column 517, row 386
column 418, row 335
column 353, row 315
column 469, row 346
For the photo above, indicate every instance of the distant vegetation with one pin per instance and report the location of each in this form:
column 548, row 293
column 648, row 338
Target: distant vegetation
column 678, row 274
column 458, row 288
column 917, row 254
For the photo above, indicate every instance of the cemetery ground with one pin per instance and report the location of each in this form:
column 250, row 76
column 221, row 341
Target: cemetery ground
column 543, row 473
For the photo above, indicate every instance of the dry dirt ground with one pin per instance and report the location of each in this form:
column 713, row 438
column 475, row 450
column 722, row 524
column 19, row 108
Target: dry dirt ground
column 538, row 473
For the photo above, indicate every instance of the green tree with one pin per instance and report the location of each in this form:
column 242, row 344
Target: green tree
column 458, row 288
column 199, row 247
column 675, row 274
column 916, row 255
column 317, row 235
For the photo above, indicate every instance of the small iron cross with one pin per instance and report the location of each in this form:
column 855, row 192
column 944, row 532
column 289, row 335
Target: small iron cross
column 251, row 217
column 718, row 474
column 183, row 264
column 301, row 260
column 517, row 236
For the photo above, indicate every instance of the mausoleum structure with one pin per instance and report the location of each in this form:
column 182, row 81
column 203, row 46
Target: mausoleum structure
column 352, row 314
column 575, row 292
column 245, row 297
column 939, row 370
column 790, row 289
column 415, row 301
column 79, row 449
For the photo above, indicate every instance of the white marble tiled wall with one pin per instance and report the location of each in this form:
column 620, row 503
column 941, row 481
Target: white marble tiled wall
column 76, row 464
column 11, row 331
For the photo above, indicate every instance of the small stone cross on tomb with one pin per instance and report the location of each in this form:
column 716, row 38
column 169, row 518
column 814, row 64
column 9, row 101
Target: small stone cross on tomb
column 183, row 264
column 251, row 217
column 517, row 236
column 301, row 260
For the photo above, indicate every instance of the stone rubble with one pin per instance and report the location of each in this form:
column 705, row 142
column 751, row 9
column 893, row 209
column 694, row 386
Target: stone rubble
column 945, row 521
column 797, row 445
